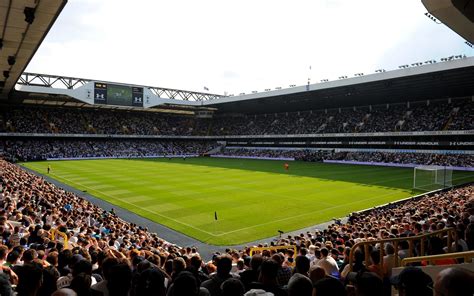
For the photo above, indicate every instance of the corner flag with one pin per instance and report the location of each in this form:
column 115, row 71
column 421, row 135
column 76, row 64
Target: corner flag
column 215, row 215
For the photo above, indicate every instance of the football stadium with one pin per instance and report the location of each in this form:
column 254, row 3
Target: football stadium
column 356, row 185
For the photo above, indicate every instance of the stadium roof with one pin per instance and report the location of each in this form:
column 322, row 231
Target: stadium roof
column 26, row 23
column 453, row 78
column 458, row 15
column 23, row 25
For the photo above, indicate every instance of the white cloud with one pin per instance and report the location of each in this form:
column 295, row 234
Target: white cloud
column 238, row 46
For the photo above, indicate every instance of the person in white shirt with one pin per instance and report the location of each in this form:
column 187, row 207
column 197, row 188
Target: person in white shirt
column 311, row 255
column 328, row 263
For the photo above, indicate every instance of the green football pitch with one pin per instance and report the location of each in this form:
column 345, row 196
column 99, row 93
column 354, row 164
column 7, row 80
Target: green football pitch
column 253, row 199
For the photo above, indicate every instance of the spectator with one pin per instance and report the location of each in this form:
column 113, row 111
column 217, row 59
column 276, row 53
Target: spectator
column 375, row 267
column 267, row 280
column 328, row 263
column 300, row 285
column 251, row 275
column 388, row 260
column 284, row 272
column 119, row 281
column 232, row 287
column 329, row 286
column 5, row 286
column 150, row 282
column 224, row 266
column 316, row 273
column 412, row 281
column 186, row 284
column 302, row 265
column 29, row 279
column 366, row 283
column 454, row 281
column 101, row 287
column 64, row 292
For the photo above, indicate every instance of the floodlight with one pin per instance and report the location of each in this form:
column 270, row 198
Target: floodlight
column 11, row 60
column 29, row 14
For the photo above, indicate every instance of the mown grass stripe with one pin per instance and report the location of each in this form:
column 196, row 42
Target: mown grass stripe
column 253, row 198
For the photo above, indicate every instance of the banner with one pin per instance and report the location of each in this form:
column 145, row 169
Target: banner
column 124, row 157
column 389, row 164
column 253, row 157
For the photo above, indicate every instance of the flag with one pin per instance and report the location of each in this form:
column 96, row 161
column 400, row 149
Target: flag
column 215, row 216
column 206, row 88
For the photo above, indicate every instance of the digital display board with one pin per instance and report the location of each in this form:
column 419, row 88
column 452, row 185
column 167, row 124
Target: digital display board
column 120, row 95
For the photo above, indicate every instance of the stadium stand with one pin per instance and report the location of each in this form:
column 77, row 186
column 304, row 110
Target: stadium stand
column 77, row 246
column 80, row 121
column 455, row 160
column 437, row 116
column 101, row 254
column 54, row 242
column 61, row 149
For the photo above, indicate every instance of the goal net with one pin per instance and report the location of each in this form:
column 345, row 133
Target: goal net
column 428, row 178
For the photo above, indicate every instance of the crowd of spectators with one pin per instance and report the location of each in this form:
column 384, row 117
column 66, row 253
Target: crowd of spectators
column 90, row 121
column 104, row 255
column 305, row 155
column 76, row 148
column 28, row 150
column 466, row 121
column 421, row 116
column 455, row 160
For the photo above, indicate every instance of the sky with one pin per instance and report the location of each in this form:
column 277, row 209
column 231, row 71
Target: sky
column 233, row 47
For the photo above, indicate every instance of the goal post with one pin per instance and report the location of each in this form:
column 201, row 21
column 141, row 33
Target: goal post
column 429, row 178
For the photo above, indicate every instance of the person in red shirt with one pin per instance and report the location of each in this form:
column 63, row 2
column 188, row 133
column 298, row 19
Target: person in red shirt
column 286, row 166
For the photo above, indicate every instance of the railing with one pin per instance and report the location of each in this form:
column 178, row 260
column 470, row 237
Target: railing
column 64, row 82
column 450, row 232
column 275, row 248
column 62, row 234
column 467, row 256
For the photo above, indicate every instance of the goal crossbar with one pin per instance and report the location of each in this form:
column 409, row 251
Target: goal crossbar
column 429, row 178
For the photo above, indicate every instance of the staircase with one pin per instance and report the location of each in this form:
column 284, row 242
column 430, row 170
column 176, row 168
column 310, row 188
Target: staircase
column 209, row 128
column 321, row 128
column 448, row 122
column 399, row 125
column 216, row 150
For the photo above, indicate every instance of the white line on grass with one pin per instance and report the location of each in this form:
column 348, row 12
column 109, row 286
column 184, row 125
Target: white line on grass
column 305, row 214
column 319, row 201
column 258, row 191
column 245, row 228
column 134, row 205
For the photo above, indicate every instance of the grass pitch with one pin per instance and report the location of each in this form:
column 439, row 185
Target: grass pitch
column 253, row 198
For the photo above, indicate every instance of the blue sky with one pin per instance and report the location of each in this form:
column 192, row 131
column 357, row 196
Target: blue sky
column 239, row 46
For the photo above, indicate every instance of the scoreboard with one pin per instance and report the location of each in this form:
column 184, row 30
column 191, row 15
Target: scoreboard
column 120, row 95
